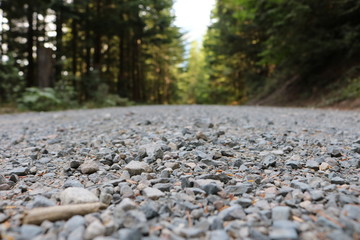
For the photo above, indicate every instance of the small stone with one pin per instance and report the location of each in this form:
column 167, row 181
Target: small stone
column 72, row 183
column 239, row 189
column 283, row 233
column 41, row 201
column 324, row 166
column 192, row 233
column 211, row 188
column 312, row 164
column 74, row 195
column 244, row 202
column 73, row 223
column 232, row 213
column 269, row 161
column 136, row 167
column 153, row 193
column 219, row 235
column 201, row 135
column 75, row 164
column 351, row 211
column 3, row 179
column 293, row 164
column 334, row 152
column 89, row 167
column 129, row 234
column 21, row 171
column 337, row 180
column 126, row 204
column 338, row 234
column 77, row 234
column 106, row 198
column 132, row 218
column 30, row 231
column 316, row 195
column 94, row 229
column 281, row 213
column 4, row 187
column 165, row 187
column 300, row 185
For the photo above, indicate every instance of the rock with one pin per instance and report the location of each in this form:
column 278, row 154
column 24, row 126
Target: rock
column 132, row 219
column 219, row 234
column 3, row 179
column 126, row 204
column 41, row 201
column 77, row 234
column 239, row 189
column 136, row 167
column 153, row 193
column 316, row 195
column 283, row 233
column 281, row 213
column 244, row 202
column 129, row 234
column 165, row 187
column 338, row 180
column 74, row 195
column 192, row 233
column 334, row 152
column 312, row 164
column 211, row 188
column 351, row 211
column 269, row 161
column 4, row 187
column 74, row 223
column 30, row 231
column 324, row 166
column 95, row 228
column 232, row 213
column 300, row 185
column 75, row 164
column 21, row 171
column 73, row 183
column 339, row 234
column 89, row 167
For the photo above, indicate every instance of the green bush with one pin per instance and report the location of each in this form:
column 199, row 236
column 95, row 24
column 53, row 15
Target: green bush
column 37, row 99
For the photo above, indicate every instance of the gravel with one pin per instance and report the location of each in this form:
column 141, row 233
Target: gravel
column 183, row 172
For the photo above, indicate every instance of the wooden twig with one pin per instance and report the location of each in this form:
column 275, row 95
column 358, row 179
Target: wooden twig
column 38, row 215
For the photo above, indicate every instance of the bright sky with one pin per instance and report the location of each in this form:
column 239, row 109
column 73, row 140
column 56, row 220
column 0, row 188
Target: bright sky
column 193, row 16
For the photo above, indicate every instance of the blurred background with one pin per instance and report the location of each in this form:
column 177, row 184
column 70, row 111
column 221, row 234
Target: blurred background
column 60, row 54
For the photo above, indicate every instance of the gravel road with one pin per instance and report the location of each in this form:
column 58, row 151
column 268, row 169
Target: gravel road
column 180, row 172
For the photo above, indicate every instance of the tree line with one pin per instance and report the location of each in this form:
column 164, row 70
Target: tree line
column 110, row 52
column 90, row 49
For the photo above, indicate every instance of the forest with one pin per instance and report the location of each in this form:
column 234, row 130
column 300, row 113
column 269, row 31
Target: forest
column 59, row 54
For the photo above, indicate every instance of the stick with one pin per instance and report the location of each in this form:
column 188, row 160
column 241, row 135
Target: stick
column 38, row 215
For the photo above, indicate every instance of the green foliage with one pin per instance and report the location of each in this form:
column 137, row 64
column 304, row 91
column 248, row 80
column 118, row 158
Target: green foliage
column 194, row 86
column 11, row 83
column 256, row 46
column 36, row 99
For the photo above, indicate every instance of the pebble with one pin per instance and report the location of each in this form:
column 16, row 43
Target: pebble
column 89, row 167
column 75, row 195
column 281, row 213
column 152, row 193
column 136, row 167
column 183, row 172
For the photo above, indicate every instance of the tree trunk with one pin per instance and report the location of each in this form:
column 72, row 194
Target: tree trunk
column 45, row 67
column 59, row 36
column 30, row 44
column 97, row 42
